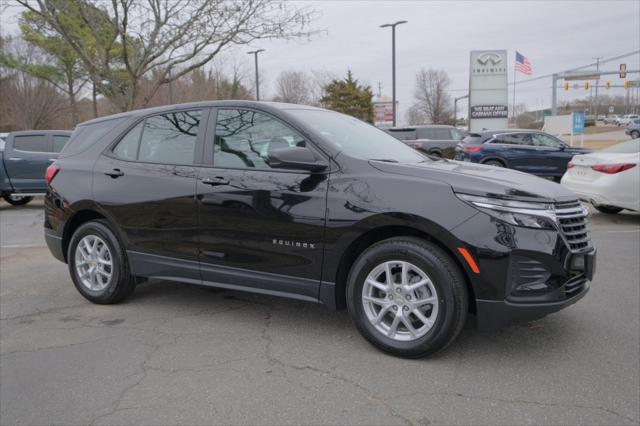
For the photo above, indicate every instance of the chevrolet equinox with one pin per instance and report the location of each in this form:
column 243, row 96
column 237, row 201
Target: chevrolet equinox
column 305, row 203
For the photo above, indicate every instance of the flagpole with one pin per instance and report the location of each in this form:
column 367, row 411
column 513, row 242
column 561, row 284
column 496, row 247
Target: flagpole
column 513, row 112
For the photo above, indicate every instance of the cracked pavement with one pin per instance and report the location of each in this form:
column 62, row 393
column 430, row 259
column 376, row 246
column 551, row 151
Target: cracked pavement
column 182, row 354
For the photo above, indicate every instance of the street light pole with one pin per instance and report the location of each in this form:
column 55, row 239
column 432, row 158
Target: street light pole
column 255, row 56
column 393, row 64
column 455, row 108
column 597, row 58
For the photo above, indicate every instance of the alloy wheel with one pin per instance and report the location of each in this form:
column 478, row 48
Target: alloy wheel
column 93, row 263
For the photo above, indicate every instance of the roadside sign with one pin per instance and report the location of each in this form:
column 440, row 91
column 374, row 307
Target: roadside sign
column 577, row 123
column 611, row 109
column 623, row 70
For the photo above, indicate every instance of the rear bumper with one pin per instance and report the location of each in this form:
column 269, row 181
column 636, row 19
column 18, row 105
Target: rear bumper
column 55, row 245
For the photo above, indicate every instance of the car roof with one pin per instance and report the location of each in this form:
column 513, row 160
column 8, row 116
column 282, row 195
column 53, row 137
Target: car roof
column 421, row 126
column 39, row 132
column 503, row 131
column 203, row 104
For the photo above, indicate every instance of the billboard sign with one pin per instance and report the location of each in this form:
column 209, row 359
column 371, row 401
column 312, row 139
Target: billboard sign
column 383, row 113
column 488, row 92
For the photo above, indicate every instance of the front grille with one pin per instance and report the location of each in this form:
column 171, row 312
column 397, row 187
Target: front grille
column 572, row 219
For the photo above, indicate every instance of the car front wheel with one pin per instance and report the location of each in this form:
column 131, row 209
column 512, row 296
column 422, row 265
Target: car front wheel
column 635, row 134
column 407, row 297
column 98, row 265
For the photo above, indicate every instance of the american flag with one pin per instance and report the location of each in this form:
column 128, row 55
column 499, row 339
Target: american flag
column 522, row 64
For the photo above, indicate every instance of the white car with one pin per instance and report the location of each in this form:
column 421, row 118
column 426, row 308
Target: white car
column 626, row 119
column 609, row 179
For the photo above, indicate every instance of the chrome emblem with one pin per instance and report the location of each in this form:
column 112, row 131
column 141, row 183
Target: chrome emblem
column 298, row 244
column 492, row 57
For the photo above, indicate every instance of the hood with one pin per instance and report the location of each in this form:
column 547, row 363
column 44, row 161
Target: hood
column 478, row 179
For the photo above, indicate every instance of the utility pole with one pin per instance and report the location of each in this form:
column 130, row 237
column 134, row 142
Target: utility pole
column 255, row 56
column 455, row 108
column 393, row 63
column 554, row 94
column 597, row 58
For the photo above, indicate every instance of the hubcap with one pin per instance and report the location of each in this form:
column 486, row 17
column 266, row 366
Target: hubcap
column 93, row 263
column 400, row 300
column 16, row 197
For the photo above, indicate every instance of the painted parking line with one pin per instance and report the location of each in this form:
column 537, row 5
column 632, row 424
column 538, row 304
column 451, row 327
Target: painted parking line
column 10, row 246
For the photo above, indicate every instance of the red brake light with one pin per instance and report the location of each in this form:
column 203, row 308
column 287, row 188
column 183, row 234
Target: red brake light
column 473, row 148
column 612, row 168
column 51, row 172
column 569, row 164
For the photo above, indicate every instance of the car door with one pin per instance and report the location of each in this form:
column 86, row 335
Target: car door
column 259, row 227
column 514, row 148
column 553, row 155
column 145, row 182
column 27, row 156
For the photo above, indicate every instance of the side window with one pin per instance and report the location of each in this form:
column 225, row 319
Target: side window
column 548, row 141
column 127, row 148
column 59, row 141
column 441, row 134
column 243, row 139
column 514, row 139
column 424, row 133
column 403, row 134
column 170, row 138
column 456, row 135
column 30, row 143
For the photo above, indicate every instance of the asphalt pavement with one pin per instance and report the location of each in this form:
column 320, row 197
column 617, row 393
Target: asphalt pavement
column 182, row 354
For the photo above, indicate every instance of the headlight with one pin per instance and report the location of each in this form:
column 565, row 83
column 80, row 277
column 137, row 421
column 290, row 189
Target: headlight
column 519, row 213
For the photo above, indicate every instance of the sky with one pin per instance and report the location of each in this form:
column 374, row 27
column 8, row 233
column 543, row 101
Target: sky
column 554, row 36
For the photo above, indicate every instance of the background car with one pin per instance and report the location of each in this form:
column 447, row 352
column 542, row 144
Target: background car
column 528, row 151
column 611, row 119
column 432, row 139
column 23, row 161
column 626, row 119
column 633, row 128
column 609, row 179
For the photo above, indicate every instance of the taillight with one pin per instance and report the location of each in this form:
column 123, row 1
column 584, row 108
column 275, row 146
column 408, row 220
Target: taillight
column 569, row 164
column 472, row 148
column 51, row 172
column 612, row 168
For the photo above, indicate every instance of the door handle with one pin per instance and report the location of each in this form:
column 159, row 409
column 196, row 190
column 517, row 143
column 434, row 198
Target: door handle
column 15, row 159
column 216, row 181
column 114, row 173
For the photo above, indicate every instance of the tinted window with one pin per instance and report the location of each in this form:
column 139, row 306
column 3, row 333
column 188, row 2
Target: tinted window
column 59, row 141
column 357, row 138
column 32, row 143
column 546, row 140
column 170, row 138
column 514, row 139
column 128, row 146
column 87, row 135
column 628, row 147
column 243, row 139
column 434, row 133
column 403, row 134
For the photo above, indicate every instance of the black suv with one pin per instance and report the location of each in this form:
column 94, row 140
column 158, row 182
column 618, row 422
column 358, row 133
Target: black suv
column 434, row 139
column 318, row 206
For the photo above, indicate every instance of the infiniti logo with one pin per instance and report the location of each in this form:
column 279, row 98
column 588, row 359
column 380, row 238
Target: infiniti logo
column 491, row 57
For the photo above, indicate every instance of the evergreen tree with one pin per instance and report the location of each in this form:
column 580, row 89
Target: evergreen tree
column 349, row 97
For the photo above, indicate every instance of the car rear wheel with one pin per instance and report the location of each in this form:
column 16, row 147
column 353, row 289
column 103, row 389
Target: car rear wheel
column 635, row 134
column 608, row 209
column 17, row 200
column 407, row 297
column 495, row 163
column 98, row 265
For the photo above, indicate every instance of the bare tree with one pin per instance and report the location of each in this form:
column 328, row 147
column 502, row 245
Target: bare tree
column 415, row 116
column 293, row 87
column 132, row 38
column 431, row 95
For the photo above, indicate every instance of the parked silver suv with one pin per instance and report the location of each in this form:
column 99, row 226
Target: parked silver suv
column 633, row 128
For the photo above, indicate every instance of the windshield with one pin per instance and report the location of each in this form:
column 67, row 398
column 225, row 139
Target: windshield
column 357, row 138
column 628, row 147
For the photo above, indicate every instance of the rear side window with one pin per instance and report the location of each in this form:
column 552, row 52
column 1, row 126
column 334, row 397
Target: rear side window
column 87, row 135
column 30, row 143
column 59, row 141
column 472, row 139
column 403, row 134
column 434, row 133
column 164, row 139
column 514, row 139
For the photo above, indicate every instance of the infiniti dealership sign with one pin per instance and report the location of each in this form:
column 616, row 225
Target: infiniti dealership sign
column 488, row 91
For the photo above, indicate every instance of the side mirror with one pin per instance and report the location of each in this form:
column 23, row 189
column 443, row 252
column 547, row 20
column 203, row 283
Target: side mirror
column 295, row 158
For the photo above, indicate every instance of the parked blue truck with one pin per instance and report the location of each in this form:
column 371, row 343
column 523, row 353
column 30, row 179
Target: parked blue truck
column 24, row 158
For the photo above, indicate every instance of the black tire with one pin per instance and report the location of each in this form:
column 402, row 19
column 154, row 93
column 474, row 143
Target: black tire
column 435, row 154
column 18, row 200
column 608, row 209
column 495, row 163
column 445, row 276
column 122, row 282
column 635, row 134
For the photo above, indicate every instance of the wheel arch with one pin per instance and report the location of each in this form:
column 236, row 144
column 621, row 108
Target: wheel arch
column 74, row 222
column 377, row 234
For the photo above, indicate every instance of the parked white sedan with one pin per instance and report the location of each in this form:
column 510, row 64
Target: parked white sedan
column 609, row 179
